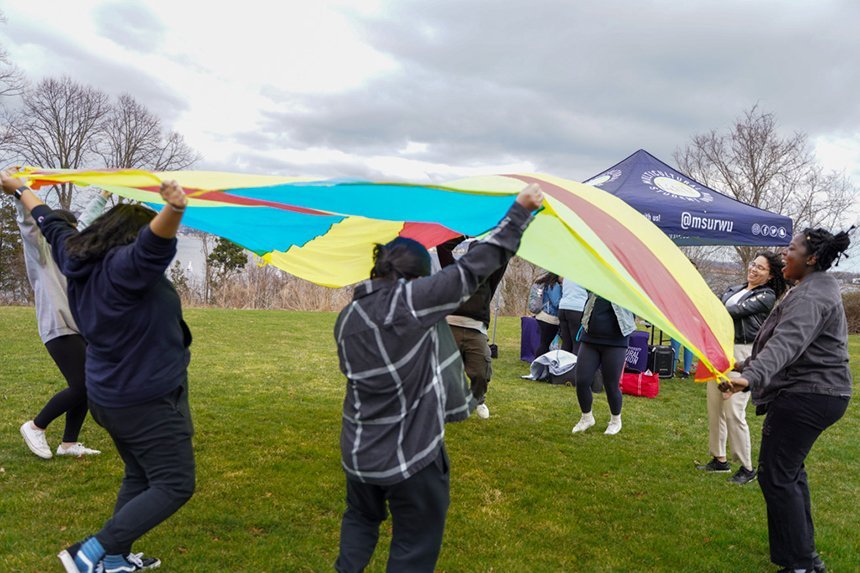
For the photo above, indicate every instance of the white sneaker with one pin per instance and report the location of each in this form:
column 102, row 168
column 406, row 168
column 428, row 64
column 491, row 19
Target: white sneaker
column 614, row 426
column 482, row 411
column 585, row 422
column 76, row 450
column 35, row 440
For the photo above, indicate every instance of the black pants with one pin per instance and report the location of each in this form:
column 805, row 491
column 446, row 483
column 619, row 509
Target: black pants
column 569, row 322
column 547, row 333
column 69, row 354
column 610, row 359
column 418, row 508
column 793, row 423
column 154, row 441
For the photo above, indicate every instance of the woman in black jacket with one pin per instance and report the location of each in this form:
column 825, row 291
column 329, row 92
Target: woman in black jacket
column 798, row 374
column 749, row 304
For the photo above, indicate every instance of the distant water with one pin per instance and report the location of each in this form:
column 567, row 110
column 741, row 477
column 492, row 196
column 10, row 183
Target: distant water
column 189, row 251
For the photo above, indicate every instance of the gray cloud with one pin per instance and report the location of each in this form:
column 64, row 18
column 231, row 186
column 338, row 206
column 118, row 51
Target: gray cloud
column 574, row 87
column 130, row 24
column 112, row 76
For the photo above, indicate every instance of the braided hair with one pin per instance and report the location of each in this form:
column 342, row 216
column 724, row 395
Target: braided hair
column 826, row 247
column 775, row 264
column 400, row 258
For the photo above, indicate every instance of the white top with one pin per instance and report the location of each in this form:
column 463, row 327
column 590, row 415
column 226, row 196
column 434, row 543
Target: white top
column 737, row 297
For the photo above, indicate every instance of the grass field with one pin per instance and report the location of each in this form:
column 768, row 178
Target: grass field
column 526, row 495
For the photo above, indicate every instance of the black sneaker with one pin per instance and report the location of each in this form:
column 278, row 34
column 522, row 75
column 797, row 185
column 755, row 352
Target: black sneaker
column 134, row 562
column 817, row 564
column 743, row 476
column 715, row 466
column 142, row 562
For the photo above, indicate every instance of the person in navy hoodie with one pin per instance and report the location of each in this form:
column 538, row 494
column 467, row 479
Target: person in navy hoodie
column 136, row 363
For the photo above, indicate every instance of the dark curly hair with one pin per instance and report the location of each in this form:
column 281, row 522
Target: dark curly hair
column 827, row 247
column 119, row 226
column 775, row 263
column 400, row 258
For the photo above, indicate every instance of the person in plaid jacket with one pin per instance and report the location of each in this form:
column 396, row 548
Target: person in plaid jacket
column 405, row 379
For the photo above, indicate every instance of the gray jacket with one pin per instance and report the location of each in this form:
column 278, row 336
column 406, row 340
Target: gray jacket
column 53, row 317
column 803, row 345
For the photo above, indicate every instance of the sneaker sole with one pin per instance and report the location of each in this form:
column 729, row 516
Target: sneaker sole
column 33, row 448
column 68, row 562
column 585, row 429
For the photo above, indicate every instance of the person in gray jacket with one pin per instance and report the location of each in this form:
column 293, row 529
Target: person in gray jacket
column 798, row 376
column 404, row 380
column 59, row 334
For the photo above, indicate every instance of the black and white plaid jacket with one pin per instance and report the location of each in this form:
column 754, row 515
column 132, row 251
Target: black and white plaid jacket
column 404, row 373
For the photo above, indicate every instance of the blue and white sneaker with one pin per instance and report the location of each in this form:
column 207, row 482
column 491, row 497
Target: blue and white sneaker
column 82, row 557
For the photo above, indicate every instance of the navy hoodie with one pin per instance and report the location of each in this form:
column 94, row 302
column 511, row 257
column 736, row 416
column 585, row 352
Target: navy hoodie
column 128, row 312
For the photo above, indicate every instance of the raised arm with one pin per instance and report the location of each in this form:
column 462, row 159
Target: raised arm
column 134, row 268
column 93, row 210
column 21, row 191
column 432, row 298
column 166, row 223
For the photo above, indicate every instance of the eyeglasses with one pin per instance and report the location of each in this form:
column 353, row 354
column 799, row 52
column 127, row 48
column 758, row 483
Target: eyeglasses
column 757, row 267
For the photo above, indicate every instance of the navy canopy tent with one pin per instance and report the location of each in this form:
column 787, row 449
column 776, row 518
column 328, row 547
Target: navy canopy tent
column 686, row 210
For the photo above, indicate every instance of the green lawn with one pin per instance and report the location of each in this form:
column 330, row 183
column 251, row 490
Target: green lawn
column 526, row 494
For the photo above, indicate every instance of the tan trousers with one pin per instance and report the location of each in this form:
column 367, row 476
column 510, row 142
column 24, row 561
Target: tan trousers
column 727, row 418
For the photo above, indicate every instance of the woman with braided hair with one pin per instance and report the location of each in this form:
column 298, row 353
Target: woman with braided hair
column 798, row 376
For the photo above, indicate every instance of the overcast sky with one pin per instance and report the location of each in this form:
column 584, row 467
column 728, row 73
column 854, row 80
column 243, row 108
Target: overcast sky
column 439, row 89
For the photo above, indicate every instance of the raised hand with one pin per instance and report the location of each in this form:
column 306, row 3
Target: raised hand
column 531, row 197
column 10, row 184
column 173, row 195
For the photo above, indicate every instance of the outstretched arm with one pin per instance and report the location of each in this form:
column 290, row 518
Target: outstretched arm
column 432, row 298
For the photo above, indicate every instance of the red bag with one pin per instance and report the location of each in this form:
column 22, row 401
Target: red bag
column 640, row 384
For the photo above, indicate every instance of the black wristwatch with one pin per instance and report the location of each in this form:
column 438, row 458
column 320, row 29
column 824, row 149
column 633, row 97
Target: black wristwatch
column 20, row 191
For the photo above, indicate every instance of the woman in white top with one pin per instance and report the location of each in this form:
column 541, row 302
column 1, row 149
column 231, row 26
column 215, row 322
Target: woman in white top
column 59, row 334
column 749, row 304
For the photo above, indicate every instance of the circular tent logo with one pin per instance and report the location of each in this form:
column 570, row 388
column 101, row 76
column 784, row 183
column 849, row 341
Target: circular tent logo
column 607, row 177
column 670, row 185
column 769, row 231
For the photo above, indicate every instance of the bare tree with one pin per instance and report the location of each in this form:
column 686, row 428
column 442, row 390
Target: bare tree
column 58, row 126
column 755, row 164
column 134, row 137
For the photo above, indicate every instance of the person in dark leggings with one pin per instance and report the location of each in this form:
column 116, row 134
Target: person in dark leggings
column 547, row 318
column 573, row 298
column 606, row 333
column 59, row 333
column 137, row 361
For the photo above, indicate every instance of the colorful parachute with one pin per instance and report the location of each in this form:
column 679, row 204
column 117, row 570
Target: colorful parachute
column 324, row 232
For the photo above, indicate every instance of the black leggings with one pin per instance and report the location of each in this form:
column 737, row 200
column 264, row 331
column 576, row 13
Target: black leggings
column 610, row 359
column 547, row 334
column 569, row 322
column 69, row 353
